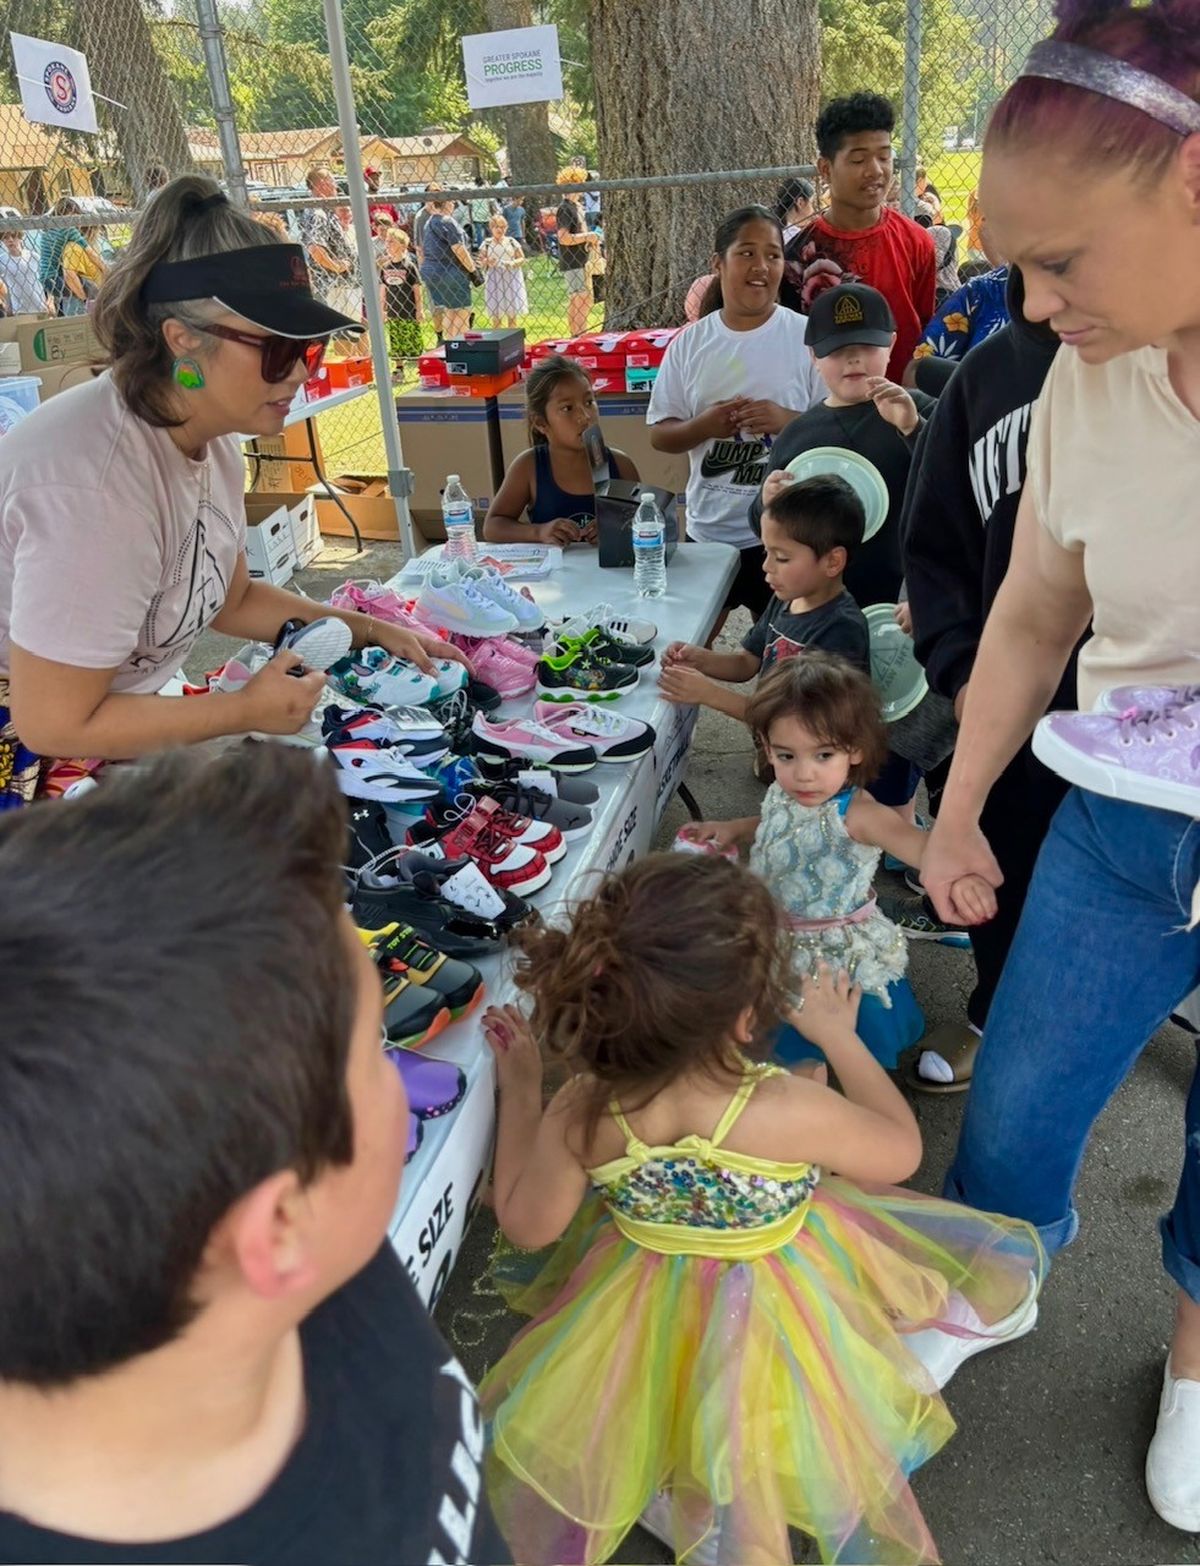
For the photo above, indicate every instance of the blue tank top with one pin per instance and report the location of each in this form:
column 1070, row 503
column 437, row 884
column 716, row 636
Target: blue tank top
column 551, row 500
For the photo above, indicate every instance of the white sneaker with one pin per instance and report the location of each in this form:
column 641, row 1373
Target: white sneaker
column 492, row 585
column 320, row 643
column 452, row 599
column 943, row 1352
column 619, row 627
column 1173, row 1459
column 657, row 1519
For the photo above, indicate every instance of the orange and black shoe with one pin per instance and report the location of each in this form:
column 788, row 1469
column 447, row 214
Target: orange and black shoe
column 399, row 951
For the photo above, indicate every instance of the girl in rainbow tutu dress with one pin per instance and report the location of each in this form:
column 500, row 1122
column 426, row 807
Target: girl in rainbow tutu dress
column 730, row 1338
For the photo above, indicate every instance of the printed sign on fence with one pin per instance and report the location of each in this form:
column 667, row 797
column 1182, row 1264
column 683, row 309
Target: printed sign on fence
column 519, row 65
column 56, row 88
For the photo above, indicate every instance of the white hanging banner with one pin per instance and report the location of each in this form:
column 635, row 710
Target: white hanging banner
column 56, row 88
column 519, row 65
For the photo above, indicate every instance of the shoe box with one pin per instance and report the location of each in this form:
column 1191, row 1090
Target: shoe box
column 283, row 464
column 617, row 501
column 281, row 538
column 485, row 353
column 47, row 342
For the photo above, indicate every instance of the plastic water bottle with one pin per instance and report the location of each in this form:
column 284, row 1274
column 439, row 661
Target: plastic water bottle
column 649, row 549
column 458, row 514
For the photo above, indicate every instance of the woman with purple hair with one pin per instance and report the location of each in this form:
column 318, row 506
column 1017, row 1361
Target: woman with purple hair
column 1103, row 118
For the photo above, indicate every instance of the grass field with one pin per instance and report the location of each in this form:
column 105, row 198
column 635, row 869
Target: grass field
column 956, row 175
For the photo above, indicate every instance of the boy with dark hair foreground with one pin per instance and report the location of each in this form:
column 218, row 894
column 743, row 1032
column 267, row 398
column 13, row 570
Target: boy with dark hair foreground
column 208, row 1351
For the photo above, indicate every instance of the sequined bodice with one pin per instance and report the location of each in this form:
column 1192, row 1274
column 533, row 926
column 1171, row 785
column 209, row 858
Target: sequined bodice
column 697, row 1184
column 807, row 858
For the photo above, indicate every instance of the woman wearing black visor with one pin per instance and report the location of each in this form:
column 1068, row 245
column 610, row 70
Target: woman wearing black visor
column 122, row 507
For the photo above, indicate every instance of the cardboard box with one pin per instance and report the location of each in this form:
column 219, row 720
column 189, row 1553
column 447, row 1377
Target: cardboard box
column 282, row 464
column 306, row 531
column 61, row 378
column 623, row 420
column 486, row 353
column 442, row 434
column 44, row 341
column 368, row 501
column 270, row 553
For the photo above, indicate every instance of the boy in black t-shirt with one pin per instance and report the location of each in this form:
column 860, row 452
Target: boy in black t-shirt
column 810, row 531
column 400, row 285
column 208, row 1350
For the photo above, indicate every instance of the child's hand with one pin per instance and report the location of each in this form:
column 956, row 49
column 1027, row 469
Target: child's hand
column 721, row 834
column 893, row 404
column 682, row 652
column 561, row 531
column 903, row 618
column 685, row 686
column 761, row 416
column 722, row 420
column 828, row 1008
column 511, row 1041
column 975, row 899
column 774, row 486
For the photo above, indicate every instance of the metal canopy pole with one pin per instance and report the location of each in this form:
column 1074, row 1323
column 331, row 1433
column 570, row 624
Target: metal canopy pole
column 910, row 109
column 399, row 479
column 217, row 69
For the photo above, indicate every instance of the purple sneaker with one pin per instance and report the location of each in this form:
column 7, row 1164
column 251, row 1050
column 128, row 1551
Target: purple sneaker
column 416, row 1135
column 434, row 1087
column 1146, row 755
column 1125, row 696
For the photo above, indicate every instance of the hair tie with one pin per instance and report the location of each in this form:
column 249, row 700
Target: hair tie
column 207, row 203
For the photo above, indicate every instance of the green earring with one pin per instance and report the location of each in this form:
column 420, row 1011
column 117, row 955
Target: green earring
column 188, row 374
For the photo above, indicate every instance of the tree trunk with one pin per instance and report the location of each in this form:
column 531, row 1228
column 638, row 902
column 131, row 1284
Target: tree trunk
column 531, row 159
column 124, row 65
column 687, row 86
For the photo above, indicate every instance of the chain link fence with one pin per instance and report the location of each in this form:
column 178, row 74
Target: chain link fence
column 484, row 218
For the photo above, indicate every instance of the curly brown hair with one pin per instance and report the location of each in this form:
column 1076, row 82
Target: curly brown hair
column 832, row 699
column 652, row 974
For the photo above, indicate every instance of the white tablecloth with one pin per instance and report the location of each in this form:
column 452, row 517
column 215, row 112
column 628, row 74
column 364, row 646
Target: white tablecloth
column 442, row 1183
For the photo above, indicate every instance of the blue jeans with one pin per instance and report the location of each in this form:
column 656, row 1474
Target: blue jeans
column 1100, row 960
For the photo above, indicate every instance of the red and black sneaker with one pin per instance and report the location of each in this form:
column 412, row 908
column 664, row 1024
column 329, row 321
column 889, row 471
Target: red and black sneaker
column 506, row 864
column 539, row 834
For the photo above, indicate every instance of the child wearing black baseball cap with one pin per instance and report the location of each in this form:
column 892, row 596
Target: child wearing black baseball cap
column 850, row 335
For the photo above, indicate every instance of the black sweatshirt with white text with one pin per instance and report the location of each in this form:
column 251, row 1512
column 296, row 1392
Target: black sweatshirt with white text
column 960, row 509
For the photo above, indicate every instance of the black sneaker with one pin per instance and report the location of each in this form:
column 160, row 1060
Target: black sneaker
column 398, row 949
column 598, row 644
column 572, row 821
column 577, row 676
column 918, row 921
column 420, row 904
column 571, row 789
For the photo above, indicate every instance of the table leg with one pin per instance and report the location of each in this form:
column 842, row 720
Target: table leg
column 689, row 802
column 314, row 457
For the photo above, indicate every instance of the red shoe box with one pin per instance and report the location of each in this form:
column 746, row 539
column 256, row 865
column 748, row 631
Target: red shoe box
column 644, row 350
column 605, row 382
column 544, row 350
column 483, row 385
column 598, row 350
column 344, row 373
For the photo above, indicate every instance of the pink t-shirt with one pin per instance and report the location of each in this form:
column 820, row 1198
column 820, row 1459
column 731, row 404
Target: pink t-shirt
column 116, row 550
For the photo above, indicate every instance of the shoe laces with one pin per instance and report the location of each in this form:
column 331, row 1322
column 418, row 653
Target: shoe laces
column 596, row 722
column 1152, row 724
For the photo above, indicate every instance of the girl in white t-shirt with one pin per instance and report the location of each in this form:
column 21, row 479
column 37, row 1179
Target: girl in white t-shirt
column 728, row 385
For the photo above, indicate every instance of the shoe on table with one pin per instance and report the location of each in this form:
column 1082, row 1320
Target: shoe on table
column 381, row 603
column 612, row 736
column 451, row 907
column 1144, row 755
column 526, row 799
column 492, row 585
column 507, row 865
column 368, row 770
column 497, row 666
column 433, row 1087
column 408, row 731
column 463, row 883
column 452, row 599
column 560, row 785
column 441, row 822
column 578, row 676
column 619, row 627
column 584, row 632
column 1173, row 1458
column 375, row 678
column 397, row 948
column 527, row 740
column 942, row 1352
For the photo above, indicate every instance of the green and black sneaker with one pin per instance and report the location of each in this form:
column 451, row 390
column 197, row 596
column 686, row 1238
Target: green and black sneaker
column 600, row 644
column 577, row 675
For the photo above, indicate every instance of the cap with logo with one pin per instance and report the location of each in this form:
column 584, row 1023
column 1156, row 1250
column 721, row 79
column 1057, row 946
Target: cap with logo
column 850, row 313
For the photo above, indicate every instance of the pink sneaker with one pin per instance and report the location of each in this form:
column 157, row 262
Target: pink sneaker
column 522, row 739
column 1146, row 755
column 381, row 604
column 610, row 734
column 492, row 660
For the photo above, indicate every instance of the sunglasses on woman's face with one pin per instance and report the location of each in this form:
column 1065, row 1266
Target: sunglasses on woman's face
column 279, row 354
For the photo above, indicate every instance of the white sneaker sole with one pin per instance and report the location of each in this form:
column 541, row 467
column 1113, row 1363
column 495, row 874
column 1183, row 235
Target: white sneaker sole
column 1100, row 777
column 321, row 643
column 1016, row 1325
column 492, row 752
column 563, row 696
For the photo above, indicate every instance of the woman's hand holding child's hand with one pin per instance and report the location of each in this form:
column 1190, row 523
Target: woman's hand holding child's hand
column 893, row 404
column 511, row 1041
column 828, row 1008
column 975, row 899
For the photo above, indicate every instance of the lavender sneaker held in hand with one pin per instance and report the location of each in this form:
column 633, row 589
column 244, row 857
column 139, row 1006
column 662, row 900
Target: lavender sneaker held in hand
column 1145, row 755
